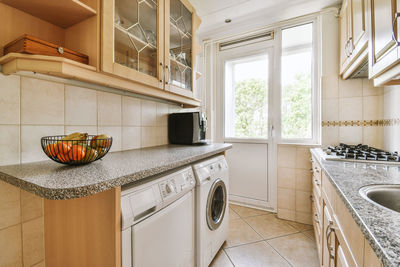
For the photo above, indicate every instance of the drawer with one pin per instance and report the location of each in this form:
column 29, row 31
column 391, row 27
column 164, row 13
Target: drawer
column 317, row 223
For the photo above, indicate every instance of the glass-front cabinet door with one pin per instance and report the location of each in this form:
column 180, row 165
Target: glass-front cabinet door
column 150, row 42
column 133, row 40
column 179, row 56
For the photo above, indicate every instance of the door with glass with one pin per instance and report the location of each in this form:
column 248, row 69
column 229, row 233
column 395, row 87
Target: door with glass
column 180, row 23
column 133, row 40
column 246, row 104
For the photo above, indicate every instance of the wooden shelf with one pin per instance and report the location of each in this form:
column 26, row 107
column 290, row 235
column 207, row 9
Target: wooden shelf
column 69, row 69
column 63, row 13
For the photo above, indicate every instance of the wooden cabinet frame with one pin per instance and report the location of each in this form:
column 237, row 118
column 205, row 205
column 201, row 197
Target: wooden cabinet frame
column 107, row 47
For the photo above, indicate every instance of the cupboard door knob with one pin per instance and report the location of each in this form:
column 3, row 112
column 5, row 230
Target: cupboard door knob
column 169, row 74
column 396, row 16
column 163, row 73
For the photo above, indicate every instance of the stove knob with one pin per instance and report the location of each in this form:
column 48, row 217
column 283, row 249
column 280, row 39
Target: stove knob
column 169, row 188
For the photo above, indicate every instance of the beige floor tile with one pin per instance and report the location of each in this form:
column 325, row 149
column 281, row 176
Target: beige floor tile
column 300, row 226
column 245, row 212
column 310, row 234
column 240, row 233
column 255, row 254
column 233, row 215
column 269, row 226
column 221, row 260
column 297, row 249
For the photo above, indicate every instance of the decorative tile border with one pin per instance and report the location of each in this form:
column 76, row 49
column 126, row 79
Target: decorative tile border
column 387, row 122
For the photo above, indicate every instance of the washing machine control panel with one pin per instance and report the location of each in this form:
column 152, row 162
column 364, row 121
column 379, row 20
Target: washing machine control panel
column 177, row 184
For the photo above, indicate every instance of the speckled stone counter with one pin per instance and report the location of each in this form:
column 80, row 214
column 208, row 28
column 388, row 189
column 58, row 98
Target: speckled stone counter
column 52, row 180
column 380, row 226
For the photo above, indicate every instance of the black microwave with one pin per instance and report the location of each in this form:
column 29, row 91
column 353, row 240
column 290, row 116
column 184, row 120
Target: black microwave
column 187, row 128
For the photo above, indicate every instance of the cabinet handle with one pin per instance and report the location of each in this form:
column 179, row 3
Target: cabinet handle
column 169, row 74
column 163, row 72
column 316, row 219
column 328, row 232
column 312, row 170
column 311, row 198
column 316, row 182
column 351, row 46
column 396, row 16
column 311, row 160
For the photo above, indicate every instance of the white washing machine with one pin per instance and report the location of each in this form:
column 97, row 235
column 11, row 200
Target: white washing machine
column 158, row 221
column 212, row 212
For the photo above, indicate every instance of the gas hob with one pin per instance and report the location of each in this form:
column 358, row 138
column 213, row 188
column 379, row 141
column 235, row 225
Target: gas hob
column 360, row 153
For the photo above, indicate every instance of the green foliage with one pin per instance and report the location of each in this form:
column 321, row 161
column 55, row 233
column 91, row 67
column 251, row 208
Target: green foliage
column 251, row 108
column 296, row 108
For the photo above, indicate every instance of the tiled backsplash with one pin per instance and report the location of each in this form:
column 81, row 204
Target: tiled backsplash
column 348, row 107
column 294, row 183
column 391, row 112
column 32, row 108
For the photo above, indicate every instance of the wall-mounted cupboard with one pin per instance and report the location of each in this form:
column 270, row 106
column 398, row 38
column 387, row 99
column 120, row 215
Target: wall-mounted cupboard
column 146, row 47
column 353, row 38
column 152, row 42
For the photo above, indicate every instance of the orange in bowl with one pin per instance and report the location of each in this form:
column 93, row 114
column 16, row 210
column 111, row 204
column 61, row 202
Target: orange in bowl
column 77, row 152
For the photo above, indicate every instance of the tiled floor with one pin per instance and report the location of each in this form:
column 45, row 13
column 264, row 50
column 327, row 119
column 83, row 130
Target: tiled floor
column 259, row 238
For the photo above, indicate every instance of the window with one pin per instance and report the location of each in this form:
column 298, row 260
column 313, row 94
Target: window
column 246, row 97
column 296, row 82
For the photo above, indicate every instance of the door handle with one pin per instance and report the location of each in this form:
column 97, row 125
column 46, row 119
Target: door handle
column 169, row 74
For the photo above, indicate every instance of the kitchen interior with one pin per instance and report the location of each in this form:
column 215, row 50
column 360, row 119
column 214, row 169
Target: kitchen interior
column 146, row 133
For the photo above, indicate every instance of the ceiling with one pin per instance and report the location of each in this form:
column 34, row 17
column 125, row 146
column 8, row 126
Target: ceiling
column 251, row 13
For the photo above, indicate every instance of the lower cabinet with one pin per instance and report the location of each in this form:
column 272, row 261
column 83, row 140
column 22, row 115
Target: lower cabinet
column 340, row 242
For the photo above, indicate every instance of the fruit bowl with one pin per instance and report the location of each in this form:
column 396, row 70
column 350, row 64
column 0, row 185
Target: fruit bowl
column 76, row 148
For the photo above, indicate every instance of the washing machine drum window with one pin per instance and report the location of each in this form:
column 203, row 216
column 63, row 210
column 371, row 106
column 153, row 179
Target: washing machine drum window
column 216, row 204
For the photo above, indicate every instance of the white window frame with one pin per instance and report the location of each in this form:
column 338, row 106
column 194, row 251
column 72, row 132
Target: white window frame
column 315, row 87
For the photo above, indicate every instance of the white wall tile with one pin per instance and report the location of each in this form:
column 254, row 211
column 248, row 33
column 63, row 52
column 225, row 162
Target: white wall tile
column 80, row 106
column 372, row 106
column 115, row 133
column 149, row 113
column 109, row 109
column 9, row 144
column 162, row 114
column 30, row 141
column 9, row 99
column 330, row 109
column 351, row 108
column 330, row 135
column 369, row 89
column 372, row 136
column 350, row 88
column 162, row 135
column 351, row 134
column 287, row 156
column 286, row 178
column 91, row 130
column 149, row 136
column 131, row 138
column 42, row 102
column 131, row 111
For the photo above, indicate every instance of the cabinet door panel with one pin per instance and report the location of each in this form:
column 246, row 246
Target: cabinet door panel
column 341, row 258
column 132, row 35
column 358, row 20
column 328, row 238
column 344, row 35
column 179, row 47
column 383, row 15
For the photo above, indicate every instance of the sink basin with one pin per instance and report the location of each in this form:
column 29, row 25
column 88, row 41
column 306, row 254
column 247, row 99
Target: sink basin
column 387, row 196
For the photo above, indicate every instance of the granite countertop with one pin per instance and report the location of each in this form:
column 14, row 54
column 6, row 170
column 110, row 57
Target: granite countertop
column 380, row 226
column 52, row 180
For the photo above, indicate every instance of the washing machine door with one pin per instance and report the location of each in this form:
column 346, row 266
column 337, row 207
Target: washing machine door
column 216, row 204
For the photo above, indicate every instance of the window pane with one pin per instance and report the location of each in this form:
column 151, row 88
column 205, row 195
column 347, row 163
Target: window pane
column 246, row 97
column 296, row 72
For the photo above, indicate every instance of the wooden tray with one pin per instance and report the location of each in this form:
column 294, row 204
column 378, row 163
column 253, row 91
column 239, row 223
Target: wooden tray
column 31, row 45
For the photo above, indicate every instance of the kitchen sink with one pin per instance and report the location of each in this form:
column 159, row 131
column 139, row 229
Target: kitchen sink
column 387, row 196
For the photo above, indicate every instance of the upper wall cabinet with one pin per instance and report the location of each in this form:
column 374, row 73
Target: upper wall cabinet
column 353, row 38
column 150, row 42
column 384, row 54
